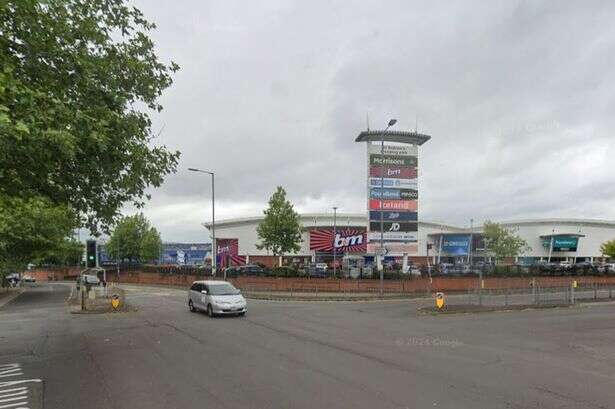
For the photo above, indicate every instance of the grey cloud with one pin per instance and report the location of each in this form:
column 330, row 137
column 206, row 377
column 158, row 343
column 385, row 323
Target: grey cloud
column 517, row 96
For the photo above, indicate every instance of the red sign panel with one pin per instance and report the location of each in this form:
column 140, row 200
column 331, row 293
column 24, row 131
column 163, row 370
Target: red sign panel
column 345, row 241
column 392, row 172
column 228, row 253
column 410, row 205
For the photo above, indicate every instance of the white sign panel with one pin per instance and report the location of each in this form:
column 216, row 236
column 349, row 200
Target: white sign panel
column 393, row 236
column 396, row 150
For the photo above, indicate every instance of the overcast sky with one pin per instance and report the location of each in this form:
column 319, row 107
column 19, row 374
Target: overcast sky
column 518, row 97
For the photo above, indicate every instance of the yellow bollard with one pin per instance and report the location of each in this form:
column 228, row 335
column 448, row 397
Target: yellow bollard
column 440, row 300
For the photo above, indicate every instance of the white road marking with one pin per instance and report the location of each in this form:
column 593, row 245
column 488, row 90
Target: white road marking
column 17, row 397
column 8, row 395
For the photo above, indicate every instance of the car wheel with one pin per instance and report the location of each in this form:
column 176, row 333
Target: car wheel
column 210, row 311
column 191, row 306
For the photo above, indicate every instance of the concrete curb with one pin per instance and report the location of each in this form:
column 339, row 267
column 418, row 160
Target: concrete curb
column 510, row 308
column 5, row 300
column 273, row 297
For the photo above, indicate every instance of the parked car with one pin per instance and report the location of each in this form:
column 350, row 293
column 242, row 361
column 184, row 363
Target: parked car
column 216, row 297
column 565, row 265
column 28, row 279
column 317, row 270
column 414, row 270
column 605, row 267
column 251, row 270
column 13, row 279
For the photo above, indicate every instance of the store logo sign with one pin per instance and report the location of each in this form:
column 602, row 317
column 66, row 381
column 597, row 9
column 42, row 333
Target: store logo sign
column 341, row 242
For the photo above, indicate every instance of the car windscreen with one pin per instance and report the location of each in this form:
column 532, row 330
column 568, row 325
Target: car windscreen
column 222, row 289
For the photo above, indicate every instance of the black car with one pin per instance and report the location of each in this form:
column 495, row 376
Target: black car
column 251, row 270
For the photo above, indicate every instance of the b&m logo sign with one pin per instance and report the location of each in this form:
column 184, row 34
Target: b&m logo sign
column 345, row 241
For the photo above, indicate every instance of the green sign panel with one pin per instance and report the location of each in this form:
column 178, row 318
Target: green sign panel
column 390, row 160
column 562, row 243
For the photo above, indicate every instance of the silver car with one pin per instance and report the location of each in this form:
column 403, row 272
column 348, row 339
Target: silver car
column 217, row 298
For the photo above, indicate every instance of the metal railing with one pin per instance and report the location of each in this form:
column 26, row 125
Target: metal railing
column 538, row 295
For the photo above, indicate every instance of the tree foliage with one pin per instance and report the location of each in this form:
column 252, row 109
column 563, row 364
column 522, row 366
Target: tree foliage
column 280, row 230
column 503, row 242
column 33, row 229
column 608, row 248
column 135, row 239
column 77, row 80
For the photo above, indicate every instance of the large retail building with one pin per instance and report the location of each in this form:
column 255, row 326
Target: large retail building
column 549, row 239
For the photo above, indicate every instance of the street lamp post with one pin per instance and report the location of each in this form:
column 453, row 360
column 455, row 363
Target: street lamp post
column 213, row 219
column 334, row 237
column 390, row 124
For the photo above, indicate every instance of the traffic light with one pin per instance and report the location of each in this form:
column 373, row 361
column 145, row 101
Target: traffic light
column 90, row 254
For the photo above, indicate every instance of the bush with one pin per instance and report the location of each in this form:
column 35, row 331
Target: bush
column 284, row 272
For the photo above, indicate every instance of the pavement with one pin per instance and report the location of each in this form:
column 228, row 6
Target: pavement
column 303, row 355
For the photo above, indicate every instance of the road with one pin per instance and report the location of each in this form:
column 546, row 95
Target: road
column 308, row 355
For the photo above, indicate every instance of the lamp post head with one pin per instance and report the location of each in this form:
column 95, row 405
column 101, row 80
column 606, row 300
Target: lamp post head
column 392, row 122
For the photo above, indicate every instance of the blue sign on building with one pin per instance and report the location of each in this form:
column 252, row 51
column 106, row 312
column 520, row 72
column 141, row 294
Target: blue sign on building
column 171, row 253
column 457, row 244
column 185, row 253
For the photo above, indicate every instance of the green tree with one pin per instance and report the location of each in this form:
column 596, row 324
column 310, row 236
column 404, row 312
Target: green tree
column 78, row 81
column 503, row 242
column 150, row 245
column 280, row 230
column 68, row 253
column 608, row 248
column 32, row 229
column 135, row 239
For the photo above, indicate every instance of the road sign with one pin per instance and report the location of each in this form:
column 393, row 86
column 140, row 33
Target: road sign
column 440, row 300
column 115, row 301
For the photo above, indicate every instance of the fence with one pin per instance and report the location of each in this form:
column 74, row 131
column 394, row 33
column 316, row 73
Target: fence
column 538, row 294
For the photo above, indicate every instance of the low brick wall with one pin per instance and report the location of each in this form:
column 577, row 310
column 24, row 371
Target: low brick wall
column 445, row 284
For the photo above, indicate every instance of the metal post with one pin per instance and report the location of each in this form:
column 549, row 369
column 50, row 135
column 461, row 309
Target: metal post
column 480, row 289
column 213, row 219
column 334, row 239
column 214, row 247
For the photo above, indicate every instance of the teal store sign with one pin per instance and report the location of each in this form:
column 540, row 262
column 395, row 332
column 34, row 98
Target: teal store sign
column 562, row 243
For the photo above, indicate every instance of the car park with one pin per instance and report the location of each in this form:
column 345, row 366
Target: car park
column 216, row 298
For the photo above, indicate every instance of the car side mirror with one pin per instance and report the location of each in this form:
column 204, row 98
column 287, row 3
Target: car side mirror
column 203, row 291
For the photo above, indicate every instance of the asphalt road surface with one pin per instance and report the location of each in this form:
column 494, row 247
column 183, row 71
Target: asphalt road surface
column 306, row 355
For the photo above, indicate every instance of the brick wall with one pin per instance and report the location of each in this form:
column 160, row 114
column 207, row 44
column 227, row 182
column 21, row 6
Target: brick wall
column 335, row 285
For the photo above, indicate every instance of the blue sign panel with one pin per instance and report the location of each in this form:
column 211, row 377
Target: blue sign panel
column 457, row 244
column 397, row 216
column 408, row 194
column 397, row 183
column 386, row 194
